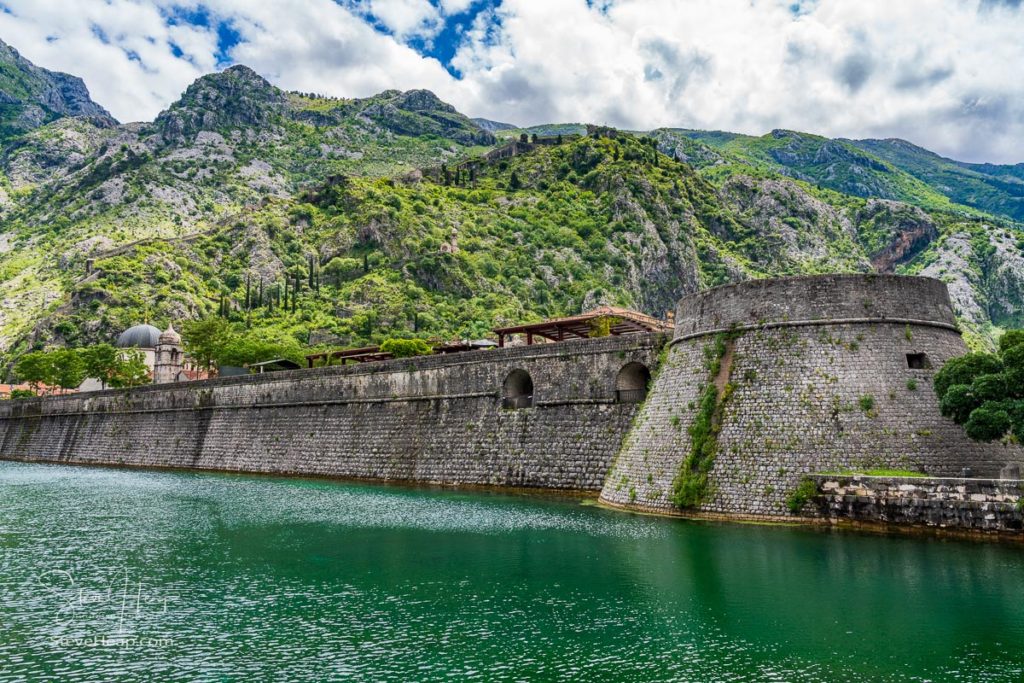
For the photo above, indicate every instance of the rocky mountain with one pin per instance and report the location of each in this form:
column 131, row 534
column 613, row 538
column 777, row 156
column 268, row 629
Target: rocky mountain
column 887, row 169
column 310, row 218
column 989, row 187
column 31, row 96
column 494, row 126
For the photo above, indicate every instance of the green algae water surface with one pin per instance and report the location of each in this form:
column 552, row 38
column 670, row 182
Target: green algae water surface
column 111, row 575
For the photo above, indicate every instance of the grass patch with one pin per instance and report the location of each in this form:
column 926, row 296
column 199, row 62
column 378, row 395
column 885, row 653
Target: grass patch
column 878, row 473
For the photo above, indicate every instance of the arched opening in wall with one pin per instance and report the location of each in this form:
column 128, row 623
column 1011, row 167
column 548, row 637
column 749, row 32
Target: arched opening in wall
column 632, row 382
column 517, row 392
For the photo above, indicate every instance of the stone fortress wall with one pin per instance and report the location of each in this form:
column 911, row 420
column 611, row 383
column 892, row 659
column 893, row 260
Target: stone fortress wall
column 815, row 374
column 434, row 419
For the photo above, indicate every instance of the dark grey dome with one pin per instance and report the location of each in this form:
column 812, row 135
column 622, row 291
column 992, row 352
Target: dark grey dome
column 140, row 337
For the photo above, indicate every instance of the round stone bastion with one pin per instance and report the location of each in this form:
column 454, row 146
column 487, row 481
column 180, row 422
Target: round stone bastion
column 766, row 381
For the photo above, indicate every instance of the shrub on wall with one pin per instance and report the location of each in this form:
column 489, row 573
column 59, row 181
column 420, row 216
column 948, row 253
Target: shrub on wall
column 801, row 495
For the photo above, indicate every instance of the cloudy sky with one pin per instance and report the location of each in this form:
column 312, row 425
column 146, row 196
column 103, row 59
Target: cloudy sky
column 946, row 74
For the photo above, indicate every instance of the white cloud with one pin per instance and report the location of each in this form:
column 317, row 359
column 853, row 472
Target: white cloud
column 121, row 49
column 450, row 7
column 407, row 17
column 942, row 74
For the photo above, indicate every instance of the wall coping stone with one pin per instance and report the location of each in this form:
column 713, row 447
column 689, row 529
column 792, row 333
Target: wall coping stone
column 822, row 321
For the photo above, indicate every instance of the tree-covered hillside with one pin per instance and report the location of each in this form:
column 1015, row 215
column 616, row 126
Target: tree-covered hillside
column 326, row 221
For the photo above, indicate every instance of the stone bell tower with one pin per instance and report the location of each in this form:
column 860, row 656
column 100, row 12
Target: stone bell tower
column 170, row 357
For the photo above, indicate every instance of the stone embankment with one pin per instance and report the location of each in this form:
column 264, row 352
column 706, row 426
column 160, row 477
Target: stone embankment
column 988, row 505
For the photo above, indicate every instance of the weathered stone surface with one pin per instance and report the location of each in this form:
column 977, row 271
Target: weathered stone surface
column 820, row 382
column 995, row 506
column 434, row 419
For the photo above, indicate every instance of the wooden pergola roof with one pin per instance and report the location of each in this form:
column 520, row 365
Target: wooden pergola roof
column 367, row 354
column 360, row 355
column 274, row 365
column 624, row 321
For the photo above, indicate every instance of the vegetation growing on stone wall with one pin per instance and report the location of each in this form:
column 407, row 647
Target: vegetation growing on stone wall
column 984, row 392
column 805, row 491
column 877, row 472
column 690, row 486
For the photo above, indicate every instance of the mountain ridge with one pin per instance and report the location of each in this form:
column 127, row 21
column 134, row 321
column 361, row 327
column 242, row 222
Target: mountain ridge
column 31, row 96
column 366, row 204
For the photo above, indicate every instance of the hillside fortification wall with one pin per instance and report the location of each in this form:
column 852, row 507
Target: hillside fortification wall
column 435, row 419
column 811, row 374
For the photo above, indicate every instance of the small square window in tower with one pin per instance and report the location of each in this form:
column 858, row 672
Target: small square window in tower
column 918, row 361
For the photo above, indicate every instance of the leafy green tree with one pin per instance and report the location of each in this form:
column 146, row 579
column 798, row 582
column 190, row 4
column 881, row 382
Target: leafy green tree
column 206, row 339
column 69, row 368
column 22, row 393
column 101, row 361
column 245, row 349
column 988, row 422
column 130, row 370
column 1010, row 339
column 406, row 348
column 958, row 402
column 36, row 368
column 985, row 392
column 340, row 269
column 964, row 369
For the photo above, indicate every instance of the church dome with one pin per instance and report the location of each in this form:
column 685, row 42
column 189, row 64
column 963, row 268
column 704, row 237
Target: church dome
column 170, row 336
column 139, row 337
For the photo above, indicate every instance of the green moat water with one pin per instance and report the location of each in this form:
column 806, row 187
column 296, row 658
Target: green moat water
column 109, row 575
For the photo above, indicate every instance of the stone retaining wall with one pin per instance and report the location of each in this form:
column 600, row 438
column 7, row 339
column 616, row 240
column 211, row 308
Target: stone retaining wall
column 436, row 419
column 955, row 504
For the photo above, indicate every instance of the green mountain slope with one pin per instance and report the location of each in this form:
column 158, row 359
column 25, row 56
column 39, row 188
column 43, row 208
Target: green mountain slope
column 553, row 230
column 397, row 215
column 834, row 164
column 550, row 231
column 989, row 187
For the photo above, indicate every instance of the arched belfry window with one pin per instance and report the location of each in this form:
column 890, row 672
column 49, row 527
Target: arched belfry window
column 631, row 384
column 517, row 391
